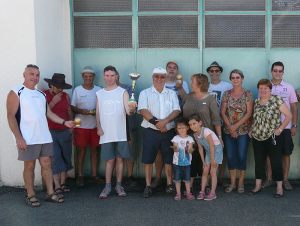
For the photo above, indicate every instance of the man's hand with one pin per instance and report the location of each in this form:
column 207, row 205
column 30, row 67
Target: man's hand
column 56, row 98
column 132, row 106
column 293, row 131
column 100, row 131
column 161, row 125
column 21, row 144
column 69, row 124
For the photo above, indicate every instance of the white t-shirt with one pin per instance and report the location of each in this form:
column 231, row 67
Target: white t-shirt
column 85, row 99
column 206, row 132
column 182, row 157
column 112, row 115
column 161, row 105
column 33, row 121
column 219, row 89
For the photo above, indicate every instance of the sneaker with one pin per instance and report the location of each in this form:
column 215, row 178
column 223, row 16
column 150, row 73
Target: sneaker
column 210, row 197
column 177, row 197
column 105, row 193
column 201, row 195
column 120, row 191
column 147, row 192
column 287, row 185
column 267, row 183
column 190, row 196
column 170, row 189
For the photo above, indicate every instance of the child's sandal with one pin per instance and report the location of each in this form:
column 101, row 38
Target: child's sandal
column 230, row 188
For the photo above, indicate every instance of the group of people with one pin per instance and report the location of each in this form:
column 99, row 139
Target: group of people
column 189, row 134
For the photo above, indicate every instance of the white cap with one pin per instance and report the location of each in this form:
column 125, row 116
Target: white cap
column 159, row 70
column 88, row 69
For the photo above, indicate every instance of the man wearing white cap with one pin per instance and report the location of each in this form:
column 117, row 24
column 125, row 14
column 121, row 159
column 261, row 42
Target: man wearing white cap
column 159, row 107
column 83, row 104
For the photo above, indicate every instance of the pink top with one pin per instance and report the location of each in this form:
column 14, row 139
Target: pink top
column 207, row 132
column 287, row 93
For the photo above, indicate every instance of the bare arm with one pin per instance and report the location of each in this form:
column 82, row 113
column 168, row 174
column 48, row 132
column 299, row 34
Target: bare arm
column 77, row 110
column 294, row 111
column 55, row 118
column 100, row 131
column 288, row 116
column 12, row 105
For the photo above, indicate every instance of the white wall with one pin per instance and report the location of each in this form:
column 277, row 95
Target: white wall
column 32, row 31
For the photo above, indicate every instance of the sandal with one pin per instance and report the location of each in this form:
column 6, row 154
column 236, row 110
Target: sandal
column 32, row 201
column 65, row 188
column 59, row 192
column 230, row 188
column 241, row 189
column 54, row 198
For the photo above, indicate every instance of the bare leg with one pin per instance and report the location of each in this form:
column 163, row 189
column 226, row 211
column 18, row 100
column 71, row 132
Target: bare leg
column 268, row 169
column 119, row 169
column 285, row 166
column 94, row 161
column 28, row 176
column 148, row 173
column 258, row 184
column 109, row 166
column 47, row 173
column 279, row 188
column 63, row 177
column 168, row 171
column 81, row 157
column 178, row 186
column 57, row 181
column 204, row 177
column 187, row 187
column 158, row 167
column 241, row 177
column 233, row 177
column 214, row 179
column 130, row 166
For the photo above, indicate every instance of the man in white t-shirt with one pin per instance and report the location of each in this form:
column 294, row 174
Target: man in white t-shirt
column 27, row 113
column 83, row 104
column 112, row 106
column 217, row 86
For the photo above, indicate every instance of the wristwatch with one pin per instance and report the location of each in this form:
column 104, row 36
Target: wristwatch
column 294, row 126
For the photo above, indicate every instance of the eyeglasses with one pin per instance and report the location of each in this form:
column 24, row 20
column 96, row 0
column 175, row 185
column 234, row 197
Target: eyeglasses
column 159, row 76
column 232, row 78
column 214, row 71
column 33, row 66
column 278, row 71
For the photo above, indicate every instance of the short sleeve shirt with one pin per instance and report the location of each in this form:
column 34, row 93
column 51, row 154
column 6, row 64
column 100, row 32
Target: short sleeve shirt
column 236, row 110
column 182, row 157
column 266, row 118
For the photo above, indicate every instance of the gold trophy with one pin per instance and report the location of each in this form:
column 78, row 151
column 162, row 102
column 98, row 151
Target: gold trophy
column 77, row 122
column 133, row 77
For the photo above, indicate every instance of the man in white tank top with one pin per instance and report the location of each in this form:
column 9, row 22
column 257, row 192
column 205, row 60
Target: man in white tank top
column 112, row 106
column 26, row 114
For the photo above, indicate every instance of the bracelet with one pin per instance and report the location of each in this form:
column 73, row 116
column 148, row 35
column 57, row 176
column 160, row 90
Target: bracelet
column 153, row 120
column 63, row 123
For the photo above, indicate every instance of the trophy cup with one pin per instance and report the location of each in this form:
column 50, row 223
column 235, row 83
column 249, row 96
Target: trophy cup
column 133, row 77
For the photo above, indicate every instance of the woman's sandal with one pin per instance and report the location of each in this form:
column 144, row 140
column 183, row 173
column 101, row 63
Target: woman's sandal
column 241, row 189
column 54, row 198
column 230, row 188
column 252, row 192
column 65, row 188
column 32, row 201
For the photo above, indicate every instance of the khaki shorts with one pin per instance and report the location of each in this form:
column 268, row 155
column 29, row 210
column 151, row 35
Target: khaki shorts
column 36, row 151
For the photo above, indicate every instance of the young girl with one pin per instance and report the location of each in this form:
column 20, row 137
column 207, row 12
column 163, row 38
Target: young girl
column 182, row 157
column 208, row 140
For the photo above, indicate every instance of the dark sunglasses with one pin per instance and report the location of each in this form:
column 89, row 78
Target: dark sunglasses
column 212, row 71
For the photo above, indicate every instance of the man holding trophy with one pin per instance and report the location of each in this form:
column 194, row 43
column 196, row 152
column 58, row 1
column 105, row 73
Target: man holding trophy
column 112, row 106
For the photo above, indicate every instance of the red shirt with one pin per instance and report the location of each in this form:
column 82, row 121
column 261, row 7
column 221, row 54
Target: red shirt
column 60, row 109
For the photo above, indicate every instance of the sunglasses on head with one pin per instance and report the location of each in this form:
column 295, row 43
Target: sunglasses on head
column 32, row 66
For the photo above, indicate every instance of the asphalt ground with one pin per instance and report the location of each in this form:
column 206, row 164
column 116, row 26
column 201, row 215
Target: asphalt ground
column 82, row 207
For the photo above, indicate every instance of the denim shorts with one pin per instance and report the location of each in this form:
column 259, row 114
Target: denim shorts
column 182, row 173
column 113, row 149
column 218, row 154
